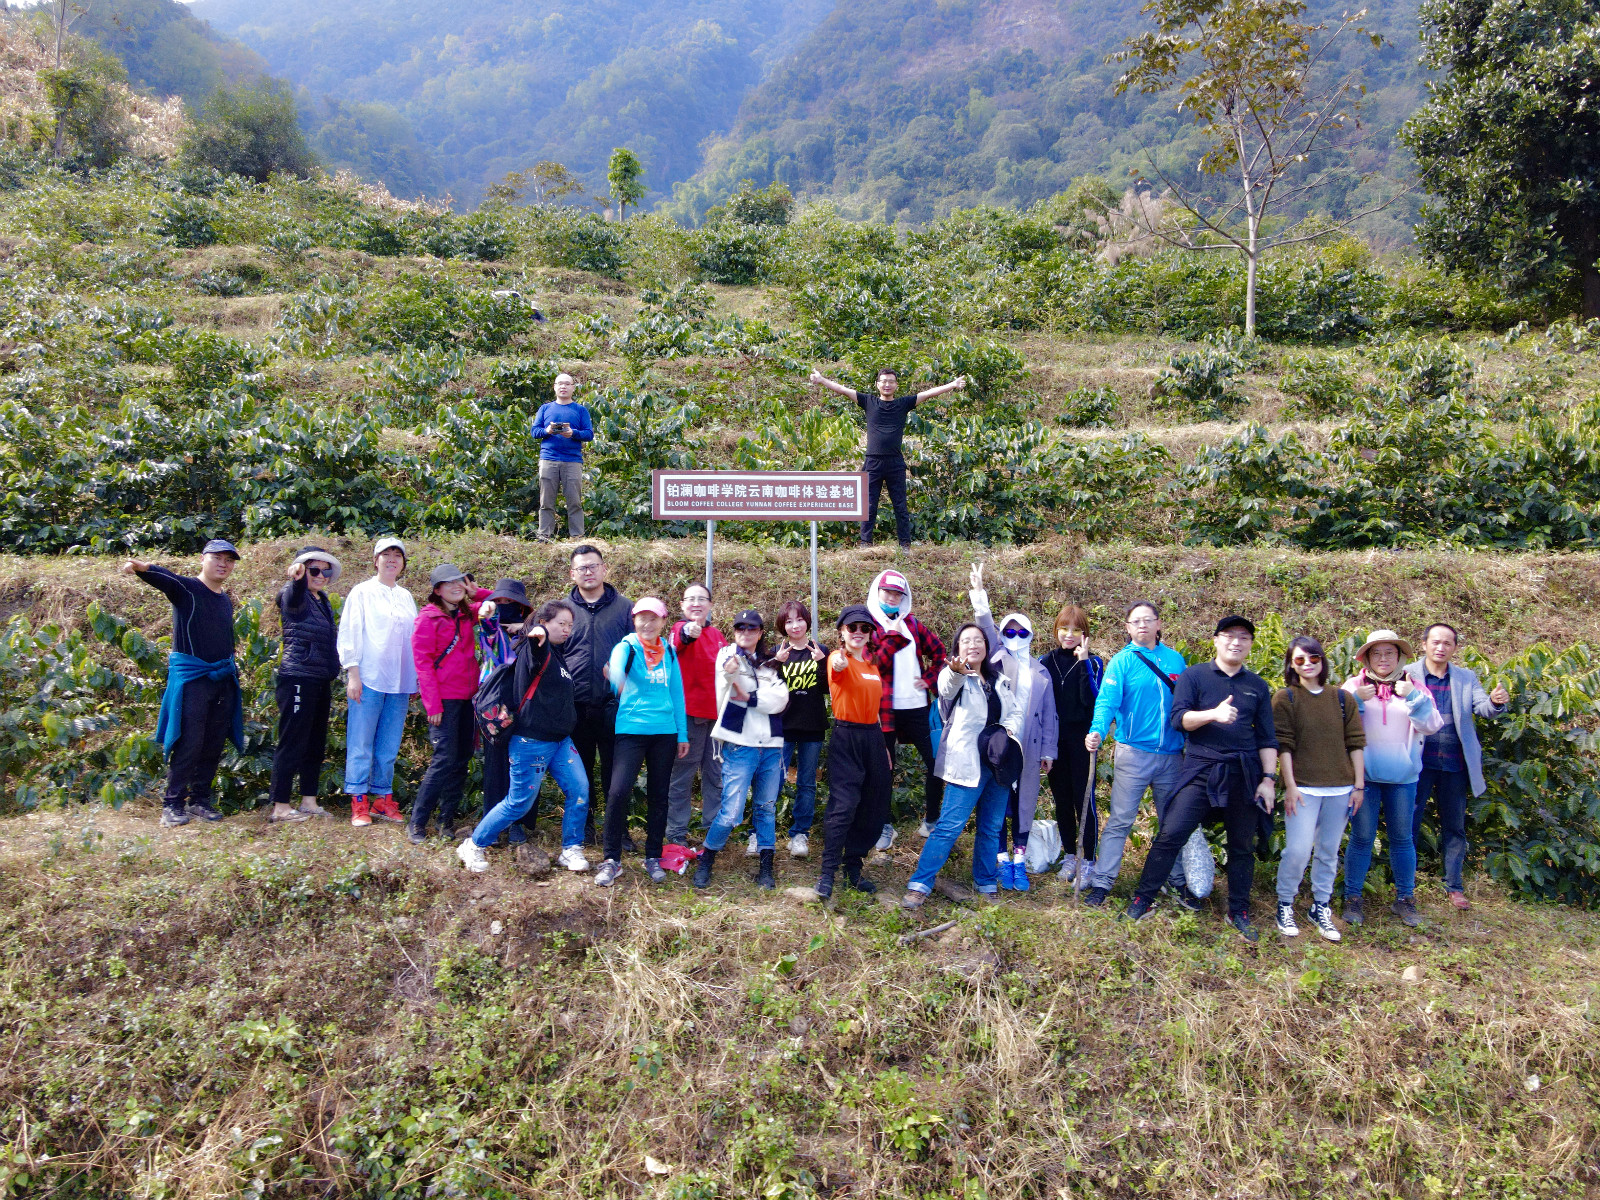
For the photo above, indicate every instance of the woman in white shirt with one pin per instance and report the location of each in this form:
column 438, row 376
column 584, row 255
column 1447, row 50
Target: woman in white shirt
column 974, row 697
column 375, row 650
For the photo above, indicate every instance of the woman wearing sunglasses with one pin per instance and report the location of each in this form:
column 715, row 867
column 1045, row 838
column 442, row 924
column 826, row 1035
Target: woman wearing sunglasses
column 859, row 769
column 1009, row 647
column 306, row 672
column 749, row 736
column 1320, row 759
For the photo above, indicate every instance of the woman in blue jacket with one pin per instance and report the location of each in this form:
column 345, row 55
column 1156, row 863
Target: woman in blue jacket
column 652, row 729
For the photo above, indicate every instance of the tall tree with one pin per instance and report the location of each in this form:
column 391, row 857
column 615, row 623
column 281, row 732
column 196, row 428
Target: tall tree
column 624, row 173
column 1254, row 79
column 252, row 131
column 1509, row 143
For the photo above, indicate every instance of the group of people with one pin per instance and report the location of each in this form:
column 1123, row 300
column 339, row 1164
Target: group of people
column 593, row 681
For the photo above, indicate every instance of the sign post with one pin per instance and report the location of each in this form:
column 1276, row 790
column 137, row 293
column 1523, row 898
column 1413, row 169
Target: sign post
column 713, row 496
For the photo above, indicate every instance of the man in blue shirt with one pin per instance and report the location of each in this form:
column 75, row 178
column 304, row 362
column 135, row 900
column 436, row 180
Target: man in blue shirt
column 1136, row 693
column 561, row 427
column 1230, row 768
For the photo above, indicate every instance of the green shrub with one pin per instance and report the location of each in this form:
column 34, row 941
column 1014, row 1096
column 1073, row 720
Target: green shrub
column 1090, row 407
column 252, row 130
column 204, row 361
column 1319, row 385
column 1198, row 384
column 578, row 240
column 220, row 283
column 190, row 222
column 636, row 431
column 733, row 252
column 528, row 381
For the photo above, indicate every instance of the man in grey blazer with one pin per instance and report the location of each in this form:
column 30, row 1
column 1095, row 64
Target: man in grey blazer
column 1452, row 759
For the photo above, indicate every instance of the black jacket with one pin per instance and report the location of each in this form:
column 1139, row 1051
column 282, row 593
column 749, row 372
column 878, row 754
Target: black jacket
column 309, row 634
column 1076, row 684
column 549, row 716
column 596, row 629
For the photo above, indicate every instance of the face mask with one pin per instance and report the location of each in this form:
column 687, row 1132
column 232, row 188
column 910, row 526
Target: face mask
column 889, row 610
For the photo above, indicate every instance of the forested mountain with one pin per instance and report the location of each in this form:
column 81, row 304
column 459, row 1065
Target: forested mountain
column 498, row 85
column 165, row 48
column 908, row 108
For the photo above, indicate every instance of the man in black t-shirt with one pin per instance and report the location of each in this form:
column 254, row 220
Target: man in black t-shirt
column 886, row 427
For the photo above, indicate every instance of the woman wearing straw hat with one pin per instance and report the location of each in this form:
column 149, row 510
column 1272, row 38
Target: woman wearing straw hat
column 306, row 672
column 1396, row 715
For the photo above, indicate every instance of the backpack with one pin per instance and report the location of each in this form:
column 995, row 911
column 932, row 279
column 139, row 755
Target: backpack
column 495, row 705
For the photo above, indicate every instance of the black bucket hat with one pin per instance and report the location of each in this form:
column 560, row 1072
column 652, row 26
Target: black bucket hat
column 511, row 591
column 1001, row 754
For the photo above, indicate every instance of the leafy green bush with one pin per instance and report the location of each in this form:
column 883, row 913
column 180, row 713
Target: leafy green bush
column 578, row 240
column 189, row 221
column 253, row 131
column 1198, row 384
column 529, row 381
column 636, row 431
column 436, row 310
column 204, row 362
column 1320, row 385
column 1090, row 407
column 733, row 252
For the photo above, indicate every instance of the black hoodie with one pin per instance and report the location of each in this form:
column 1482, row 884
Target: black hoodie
column 596, row 629
column 549, row 716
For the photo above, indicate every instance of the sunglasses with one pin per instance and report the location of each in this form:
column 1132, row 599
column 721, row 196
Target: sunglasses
column 319, row 572
column 747, row 628
column 1018, row 635
column 858, row 627
column 1307, row 660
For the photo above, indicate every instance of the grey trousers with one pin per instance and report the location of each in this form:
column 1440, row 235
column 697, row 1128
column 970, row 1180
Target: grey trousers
column 1136, row 771
column 680, row 803
column 568, row 476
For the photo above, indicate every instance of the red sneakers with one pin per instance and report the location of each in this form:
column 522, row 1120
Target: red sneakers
column 385, row 809
column 359, row 813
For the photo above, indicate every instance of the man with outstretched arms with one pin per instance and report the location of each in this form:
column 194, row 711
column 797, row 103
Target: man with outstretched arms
column 886, row 428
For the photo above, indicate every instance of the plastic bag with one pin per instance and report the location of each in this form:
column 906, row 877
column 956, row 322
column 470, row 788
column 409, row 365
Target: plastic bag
column 1199, row 865
column 1044, row 847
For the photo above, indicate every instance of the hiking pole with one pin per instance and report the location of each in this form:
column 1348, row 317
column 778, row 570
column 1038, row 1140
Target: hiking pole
column 1083, row 821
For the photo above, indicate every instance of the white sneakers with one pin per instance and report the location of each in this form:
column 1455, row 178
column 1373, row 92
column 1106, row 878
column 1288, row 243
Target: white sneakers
column 571, row 857
column 887, row 840
column 753, row 848
column 799, row 846
column 471, row 857
column 1286, row 925
column 1077, row 872
column 924, row 830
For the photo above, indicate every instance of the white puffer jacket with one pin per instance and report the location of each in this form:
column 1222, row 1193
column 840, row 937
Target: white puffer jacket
column 765, row 686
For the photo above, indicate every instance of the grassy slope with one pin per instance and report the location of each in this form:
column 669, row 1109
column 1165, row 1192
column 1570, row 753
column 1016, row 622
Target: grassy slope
column 1037, row 1049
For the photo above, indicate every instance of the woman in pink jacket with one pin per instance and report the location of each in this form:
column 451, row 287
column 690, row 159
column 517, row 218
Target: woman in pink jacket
column 442, row 643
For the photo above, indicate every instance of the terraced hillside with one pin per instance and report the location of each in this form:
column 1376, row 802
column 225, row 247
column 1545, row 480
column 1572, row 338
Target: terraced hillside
column 251, row 1009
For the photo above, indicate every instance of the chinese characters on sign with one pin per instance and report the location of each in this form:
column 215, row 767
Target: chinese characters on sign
column 759, row 495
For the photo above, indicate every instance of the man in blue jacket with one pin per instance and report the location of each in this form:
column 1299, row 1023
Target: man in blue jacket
column 1136, row 694
column 561, row 426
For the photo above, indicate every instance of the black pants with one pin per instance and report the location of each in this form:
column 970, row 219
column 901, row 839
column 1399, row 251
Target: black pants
column 911, row 728
column 303, row 707
column 593, row 738
column 858, row 796
column 207, row 717
column 886, row 469
column 441, row 787
column 1190, row 809
column 1069, row 781
column 656, row 752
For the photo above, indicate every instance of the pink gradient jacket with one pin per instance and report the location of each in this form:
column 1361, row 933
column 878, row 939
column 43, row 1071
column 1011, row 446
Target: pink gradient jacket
column 456, row 675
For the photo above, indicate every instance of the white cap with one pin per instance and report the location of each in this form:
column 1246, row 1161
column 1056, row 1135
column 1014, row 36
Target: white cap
column 390, row 543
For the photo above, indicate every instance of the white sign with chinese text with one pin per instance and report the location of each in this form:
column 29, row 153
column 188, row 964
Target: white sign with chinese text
column 758, row 495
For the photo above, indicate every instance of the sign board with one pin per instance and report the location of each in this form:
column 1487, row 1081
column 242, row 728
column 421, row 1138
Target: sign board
column 758, row 495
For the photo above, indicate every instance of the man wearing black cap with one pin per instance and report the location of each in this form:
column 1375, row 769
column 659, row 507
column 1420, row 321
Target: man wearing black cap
column 1230, row 762
column 201, row 707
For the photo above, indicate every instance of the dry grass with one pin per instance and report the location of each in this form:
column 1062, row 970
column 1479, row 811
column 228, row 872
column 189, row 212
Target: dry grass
column 1049, row 1049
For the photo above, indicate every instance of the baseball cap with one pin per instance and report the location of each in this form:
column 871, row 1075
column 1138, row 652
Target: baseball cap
column 749, row 617
column 1234, row 621
column 895, row 580
column 445, row 573
column 649, row 604
column 854, row 613
column 218, row 546
column 390, row 543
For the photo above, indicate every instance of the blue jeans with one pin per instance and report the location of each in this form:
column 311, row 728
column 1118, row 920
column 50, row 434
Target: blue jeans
column 1449, row 790
column 989, row 797
column 1136, row 771
column 809, row 755
column 1312, row 835
column 373, row 729
column 529, row 762
column 1394, row 802
column 748, row 769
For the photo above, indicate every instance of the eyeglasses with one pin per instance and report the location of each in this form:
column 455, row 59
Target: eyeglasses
column 1307, row 660
column 319, row 572
column 747, row 629
column 1143, row 620
column 587, row 568
column 858, row 627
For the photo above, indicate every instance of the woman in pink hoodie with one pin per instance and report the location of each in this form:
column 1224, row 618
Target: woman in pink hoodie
column 443, row 645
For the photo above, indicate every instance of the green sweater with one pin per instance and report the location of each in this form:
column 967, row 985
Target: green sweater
column 1308, row 727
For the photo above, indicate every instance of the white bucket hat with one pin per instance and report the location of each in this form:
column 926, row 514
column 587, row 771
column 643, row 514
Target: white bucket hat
column 312, row 554
column 1379, row 637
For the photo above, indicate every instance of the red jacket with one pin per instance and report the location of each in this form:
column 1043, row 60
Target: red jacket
column 456, row 675
column 697, row 662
